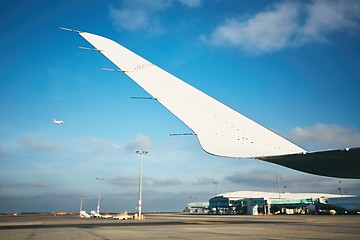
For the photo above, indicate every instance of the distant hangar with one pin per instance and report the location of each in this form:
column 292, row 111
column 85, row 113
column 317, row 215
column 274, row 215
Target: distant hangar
column 265, row 203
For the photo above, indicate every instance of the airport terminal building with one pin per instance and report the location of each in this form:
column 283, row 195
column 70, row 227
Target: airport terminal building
column 255, row 203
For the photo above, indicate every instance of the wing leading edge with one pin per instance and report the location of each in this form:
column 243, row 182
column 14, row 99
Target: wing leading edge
column 220, row 130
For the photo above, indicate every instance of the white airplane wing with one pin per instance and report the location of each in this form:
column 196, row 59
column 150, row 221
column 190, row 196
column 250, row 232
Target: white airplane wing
column 220, row 130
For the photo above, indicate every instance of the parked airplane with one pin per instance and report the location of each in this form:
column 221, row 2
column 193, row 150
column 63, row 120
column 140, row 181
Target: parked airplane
column 84, row 214
column 221, row 130
column 58, row 121
column 336, row 205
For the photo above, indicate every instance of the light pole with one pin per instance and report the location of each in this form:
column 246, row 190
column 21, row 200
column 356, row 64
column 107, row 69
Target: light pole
column 215, row 183
column 81, row 203
column 98, row 204
column 278, row 180
column 340, row 188
column 141, row 153
column 81, row 206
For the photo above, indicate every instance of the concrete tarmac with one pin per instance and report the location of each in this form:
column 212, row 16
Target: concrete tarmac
column 182, row 226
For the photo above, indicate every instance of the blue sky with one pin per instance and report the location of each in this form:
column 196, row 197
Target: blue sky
column 292, row 66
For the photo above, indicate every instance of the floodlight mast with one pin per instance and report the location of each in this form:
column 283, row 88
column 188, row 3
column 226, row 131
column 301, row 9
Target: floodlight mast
column 278, row 179
column 98, row 203
column 141, row 153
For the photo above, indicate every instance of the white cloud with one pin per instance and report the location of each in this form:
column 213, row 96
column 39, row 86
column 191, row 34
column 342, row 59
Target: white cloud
column 139, row 15
column 3, row 153
column 265, row 32
column 191, row 3
column 40, row 145
column 286, row 24
column 264, row 180
column 101, row 145
column 149, row 181
column 144, row 15
column 130, row 19
column 326, row 136
column 141, row 142
column 163, row 182
column 126, row 180
column 205, row 181
column 37, row 184
column 326, row 17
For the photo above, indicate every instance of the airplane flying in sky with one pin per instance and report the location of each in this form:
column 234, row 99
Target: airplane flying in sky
column 58, row 121
column 221, row 130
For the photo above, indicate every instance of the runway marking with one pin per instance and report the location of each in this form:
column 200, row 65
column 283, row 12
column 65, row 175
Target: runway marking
column 205, row 223
column 20, row 223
